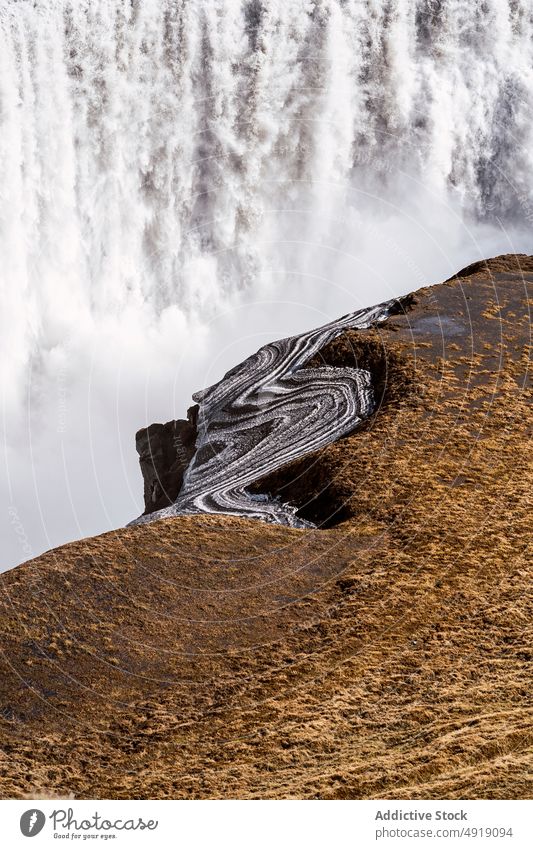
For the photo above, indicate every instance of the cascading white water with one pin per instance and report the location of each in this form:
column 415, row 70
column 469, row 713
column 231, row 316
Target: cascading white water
column 161, row 160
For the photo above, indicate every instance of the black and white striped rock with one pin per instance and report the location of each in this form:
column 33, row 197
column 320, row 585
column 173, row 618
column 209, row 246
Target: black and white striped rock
column 266, row 412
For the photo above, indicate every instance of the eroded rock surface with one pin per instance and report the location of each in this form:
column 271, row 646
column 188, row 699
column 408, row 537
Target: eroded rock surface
column 165, row 451
column 266, row 412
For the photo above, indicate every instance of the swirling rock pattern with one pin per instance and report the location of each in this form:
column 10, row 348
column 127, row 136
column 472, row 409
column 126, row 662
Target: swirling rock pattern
column 266, row 412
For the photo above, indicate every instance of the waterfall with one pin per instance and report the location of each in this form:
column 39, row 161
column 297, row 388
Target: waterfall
column 161, row 160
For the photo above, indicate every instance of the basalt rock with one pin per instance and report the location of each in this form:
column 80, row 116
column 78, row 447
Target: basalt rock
column 266, row 412
column 381, row 654
column 290, row 399
column 165, row 451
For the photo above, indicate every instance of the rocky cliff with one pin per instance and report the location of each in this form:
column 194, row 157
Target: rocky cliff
column 383, row 653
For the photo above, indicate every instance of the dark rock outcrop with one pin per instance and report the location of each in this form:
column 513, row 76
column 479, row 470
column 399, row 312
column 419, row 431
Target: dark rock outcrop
column 267, row 411
column 165, row 451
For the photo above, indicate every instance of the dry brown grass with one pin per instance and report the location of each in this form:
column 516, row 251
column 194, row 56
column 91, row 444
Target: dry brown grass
column 386, row 656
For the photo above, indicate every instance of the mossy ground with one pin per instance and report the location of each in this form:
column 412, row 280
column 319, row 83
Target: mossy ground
column 387, row 654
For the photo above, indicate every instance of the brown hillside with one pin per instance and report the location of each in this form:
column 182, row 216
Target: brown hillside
column 386, row 654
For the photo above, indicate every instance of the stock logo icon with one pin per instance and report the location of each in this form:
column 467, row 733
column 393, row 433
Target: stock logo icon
column 32, row 822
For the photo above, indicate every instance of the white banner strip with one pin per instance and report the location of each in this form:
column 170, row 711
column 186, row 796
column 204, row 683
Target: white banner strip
column 268, row 825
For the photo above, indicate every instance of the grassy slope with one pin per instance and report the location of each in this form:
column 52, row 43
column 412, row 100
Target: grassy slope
column 386, row 656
